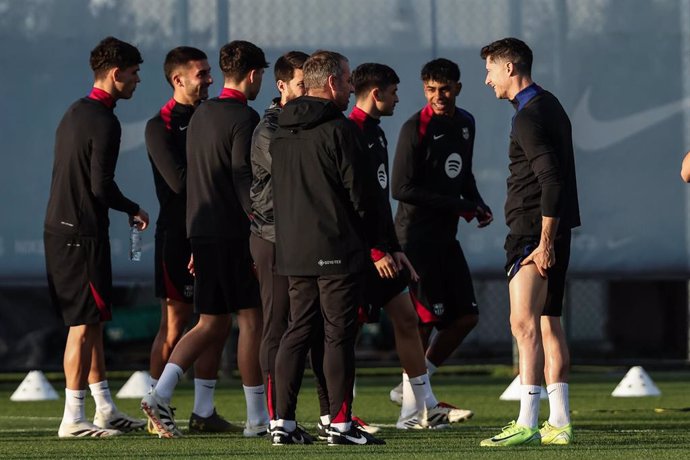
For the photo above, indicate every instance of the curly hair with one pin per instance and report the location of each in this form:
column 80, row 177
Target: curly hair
column 239, row 57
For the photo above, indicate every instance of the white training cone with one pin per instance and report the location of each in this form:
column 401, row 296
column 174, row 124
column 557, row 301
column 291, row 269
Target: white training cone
column 512, row 393
column 137, row 386
column 636, row 383
column 34, row 387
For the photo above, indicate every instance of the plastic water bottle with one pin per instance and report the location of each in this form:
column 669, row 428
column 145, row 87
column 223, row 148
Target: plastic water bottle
column 135, row 244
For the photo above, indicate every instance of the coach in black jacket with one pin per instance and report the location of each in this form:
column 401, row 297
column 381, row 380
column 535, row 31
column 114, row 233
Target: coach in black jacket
column 322, row 219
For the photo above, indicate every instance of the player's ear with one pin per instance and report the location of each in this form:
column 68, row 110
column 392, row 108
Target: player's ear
column 281, row 86
column 458, row 88
column 177, row 80
column 376, row 94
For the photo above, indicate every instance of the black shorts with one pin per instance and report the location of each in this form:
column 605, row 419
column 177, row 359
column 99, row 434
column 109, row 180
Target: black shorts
column 444, row 291
column 379, row 291
column 173, row 280
column 80, row 278
column 224, row 275
column 518, row 247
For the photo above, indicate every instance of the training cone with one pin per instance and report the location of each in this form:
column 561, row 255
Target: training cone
column 636, row 383
column 512, row 393
column 137, row 386
column 34, row 387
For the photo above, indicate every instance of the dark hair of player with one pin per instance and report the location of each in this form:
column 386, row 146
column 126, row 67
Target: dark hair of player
column 179, row 57
column 113, row 53
column 441, row 70
column 370, row 75
column 239, row 57
column 512, row 50
column 284, row 69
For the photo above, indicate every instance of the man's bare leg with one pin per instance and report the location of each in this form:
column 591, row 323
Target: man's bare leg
column 250, row 322
column 556, row 370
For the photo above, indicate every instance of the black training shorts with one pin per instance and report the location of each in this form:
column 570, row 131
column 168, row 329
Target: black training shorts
column 444, row 291
column 379, row 291
column 173, row 280
column 80, row 277
column 225, row 278
column 518, row 247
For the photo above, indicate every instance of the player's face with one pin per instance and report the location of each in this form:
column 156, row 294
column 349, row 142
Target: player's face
column 343, row 87
column 195, row 79
column 441, row 96
column 387, row 100
column 497, row 77
column 295, row 87
column 126, row 81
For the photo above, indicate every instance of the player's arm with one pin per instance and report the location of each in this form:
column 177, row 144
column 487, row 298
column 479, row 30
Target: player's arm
column 261, row 139
column 105, row 144
column 471, row 192
column 405, row 185
column 541, row 155
column 165, row 155
column 685, row 168
column 241, row 162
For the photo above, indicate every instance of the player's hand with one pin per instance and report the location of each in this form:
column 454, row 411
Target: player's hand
column 140, row 220
column 190, row 265
column 402, row 261
column 386, row 267
column 484, row 215
column 543, row 258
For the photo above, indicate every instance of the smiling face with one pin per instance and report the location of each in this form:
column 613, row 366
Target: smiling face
column 441, row 96
column 498, row 76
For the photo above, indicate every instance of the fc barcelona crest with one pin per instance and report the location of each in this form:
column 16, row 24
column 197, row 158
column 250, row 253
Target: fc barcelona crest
column 439, row 309
column 465, row 133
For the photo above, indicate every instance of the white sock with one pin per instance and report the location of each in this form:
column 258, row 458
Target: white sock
column 257, row 413
column 203, row 397
column 430, row 367
column 74, row 406
column 153, row 382
column 101, row 394
column 325, row 420
column 172, row 373
column 286, row 425
column 530, row 396
column 421, row 387
column 409, row 400
column 342, row 427
column 559, row 405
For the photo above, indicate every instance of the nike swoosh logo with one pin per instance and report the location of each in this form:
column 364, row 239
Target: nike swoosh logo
column 503, row 439
column 419, row 384
column 592, row 134
column 79, row 397
column 535, row 393
column 211, row 387
column 371, row 145
column 437, row 137
column 357, row 440
column 182, row 128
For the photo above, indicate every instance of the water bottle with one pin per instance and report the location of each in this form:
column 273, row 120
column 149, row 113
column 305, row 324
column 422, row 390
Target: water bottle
column 135, row 244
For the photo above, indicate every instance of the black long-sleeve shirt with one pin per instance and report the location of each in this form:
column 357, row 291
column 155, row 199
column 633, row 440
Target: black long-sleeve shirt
column 218, row 167
column 83, row 188
column 377, row 148
column 166, row 139
column 542, row 165
column 432, row 176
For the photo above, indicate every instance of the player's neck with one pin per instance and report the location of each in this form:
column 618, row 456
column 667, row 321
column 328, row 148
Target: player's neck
column 519, row 83
column 369, row 107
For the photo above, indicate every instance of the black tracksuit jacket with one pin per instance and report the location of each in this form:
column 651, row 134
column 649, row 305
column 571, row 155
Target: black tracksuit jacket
column 166, row 138
column 432, row 176
column 324, row 212
column 83, row 188
column 261, row 192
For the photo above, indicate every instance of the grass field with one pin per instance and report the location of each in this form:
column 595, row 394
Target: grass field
column 605, row 427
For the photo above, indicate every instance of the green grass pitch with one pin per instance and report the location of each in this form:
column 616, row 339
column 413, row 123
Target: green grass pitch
column 605, row 427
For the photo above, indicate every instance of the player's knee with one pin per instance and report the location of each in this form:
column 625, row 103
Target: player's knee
column 523, row 328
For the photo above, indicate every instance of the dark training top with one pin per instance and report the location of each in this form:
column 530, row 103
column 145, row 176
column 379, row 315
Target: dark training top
column 166, row 139
column 83, row 188
column 324, row 216
column 261, row 192
column 377, row 147
column 432, row 176
column 218, row 167
column 542, row 165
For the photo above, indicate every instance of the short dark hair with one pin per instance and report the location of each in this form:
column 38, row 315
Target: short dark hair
column 320, row 65
column 240, row 57
column 371, row 75
column 113, row 53
column 284, row 69
column 181, row 56
column 441, row 70
column 512, row 50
